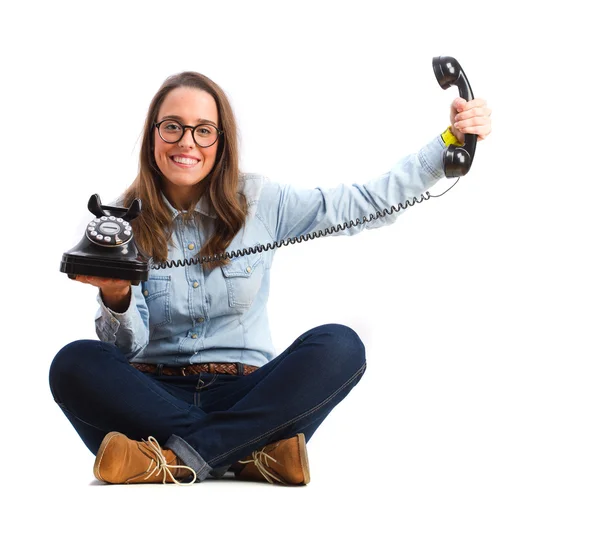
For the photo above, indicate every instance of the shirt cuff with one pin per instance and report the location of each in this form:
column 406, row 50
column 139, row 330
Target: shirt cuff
column 431, row 158
column 108, row 322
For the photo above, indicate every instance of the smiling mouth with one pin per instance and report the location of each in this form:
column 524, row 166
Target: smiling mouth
column 185, row 161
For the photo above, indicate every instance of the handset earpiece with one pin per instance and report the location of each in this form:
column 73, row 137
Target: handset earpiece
column 457, row 159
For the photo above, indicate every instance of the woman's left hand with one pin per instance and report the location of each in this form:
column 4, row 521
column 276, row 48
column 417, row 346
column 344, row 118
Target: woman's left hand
column 471, row 117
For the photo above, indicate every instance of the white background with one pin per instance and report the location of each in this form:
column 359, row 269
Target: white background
column 477, row 422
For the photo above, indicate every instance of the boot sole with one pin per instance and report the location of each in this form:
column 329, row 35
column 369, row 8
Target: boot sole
column 107, row 439
column 304, row 458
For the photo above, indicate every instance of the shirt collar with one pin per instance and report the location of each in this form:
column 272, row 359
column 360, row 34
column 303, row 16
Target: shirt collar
column 203, row 207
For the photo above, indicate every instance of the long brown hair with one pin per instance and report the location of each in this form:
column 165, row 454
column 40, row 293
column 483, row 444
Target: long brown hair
column 153, row 227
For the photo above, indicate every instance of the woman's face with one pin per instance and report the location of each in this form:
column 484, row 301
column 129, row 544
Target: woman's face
column 184, row 163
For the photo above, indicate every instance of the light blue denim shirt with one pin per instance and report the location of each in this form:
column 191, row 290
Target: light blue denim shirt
column 187, row 315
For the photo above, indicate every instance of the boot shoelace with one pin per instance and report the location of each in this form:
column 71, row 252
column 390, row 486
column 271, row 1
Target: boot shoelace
column 158, row 460
column 261, row 459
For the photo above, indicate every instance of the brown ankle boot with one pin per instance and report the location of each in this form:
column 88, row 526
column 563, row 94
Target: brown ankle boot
column 284, row 462
column 121, row 460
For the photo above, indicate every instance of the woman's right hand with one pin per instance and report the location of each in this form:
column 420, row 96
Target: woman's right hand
column 115, row 293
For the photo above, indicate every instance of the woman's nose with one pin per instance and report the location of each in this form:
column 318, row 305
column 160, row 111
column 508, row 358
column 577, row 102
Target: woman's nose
column 187, row 140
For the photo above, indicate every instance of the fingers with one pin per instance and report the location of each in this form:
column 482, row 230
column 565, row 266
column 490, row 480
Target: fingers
column 482, row 112
column 89, row 279
column 459, row 104
column 475, row 126
column 481, row 119
column 463, row 105
column 102, row 282
column 474, row 118
column 482, row 131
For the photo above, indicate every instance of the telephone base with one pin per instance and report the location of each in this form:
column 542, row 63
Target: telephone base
column 130, row 270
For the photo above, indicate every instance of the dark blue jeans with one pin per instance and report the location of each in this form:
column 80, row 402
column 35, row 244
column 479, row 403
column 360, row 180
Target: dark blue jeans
column 210, row 421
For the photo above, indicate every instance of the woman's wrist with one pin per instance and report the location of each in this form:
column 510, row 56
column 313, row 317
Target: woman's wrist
column 449, row 138
column 117, row 301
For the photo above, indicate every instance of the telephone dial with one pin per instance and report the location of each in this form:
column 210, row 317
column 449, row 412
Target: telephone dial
column 108, row 249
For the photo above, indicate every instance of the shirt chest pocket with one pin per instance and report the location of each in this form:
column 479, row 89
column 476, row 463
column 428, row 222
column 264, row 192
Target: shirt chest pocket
column 157, row 291
column 243, row 277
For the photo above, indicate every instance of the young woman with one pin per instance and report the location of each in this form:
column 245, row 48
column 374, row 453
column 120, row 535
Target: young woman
column 184, row 382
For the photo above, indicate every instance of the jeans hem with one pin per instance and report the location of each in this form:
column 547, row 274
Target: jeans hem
column 189, row 456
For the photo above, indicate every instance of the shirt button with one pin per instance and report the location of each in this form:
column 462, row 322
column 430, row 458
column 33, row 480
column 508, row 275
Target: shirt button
column 200, row 319
column 145, row 292
column 194, row 336
column 191, row 246
column 195, row 285
column 249, row 269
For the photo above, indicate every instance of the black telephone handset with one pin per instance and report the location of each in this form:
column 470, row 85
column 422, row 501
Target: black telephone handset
column 109, row 250
column 457, row 159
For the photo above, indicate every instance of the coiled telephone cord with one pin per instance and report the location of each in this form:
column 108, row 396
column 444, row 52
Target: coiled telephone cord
column 293, row 240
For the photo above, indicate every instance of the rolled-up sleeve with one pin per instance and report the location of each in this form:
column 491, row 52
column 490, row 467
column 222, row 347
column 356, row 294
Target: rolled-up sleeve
column 128, row 330
column 302, row 211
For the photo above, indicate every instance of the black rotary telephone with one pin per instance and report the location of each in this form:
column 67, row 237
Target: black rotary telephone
column 109, row 250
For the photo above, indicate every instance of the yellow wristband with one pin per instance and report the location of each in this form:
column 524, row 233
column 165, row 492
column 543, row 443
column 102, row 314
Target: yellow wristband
column 449, row 138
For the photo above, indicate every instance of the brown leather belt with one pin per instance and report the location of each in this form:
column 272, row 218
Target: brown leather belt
column 230, row 368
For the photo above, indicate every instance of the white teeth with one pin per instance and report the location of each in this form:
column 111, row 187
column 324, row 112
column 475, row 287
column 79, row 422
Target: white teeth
column 185, row 160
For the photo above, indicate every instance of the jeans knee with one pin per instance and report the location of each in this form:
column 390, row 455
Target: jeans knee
column 67, row 365
column 344, row 350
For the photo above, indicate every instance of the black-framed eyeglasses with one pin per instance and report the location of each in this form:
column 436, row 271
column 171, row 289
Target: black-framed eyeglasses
column 204, row 135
